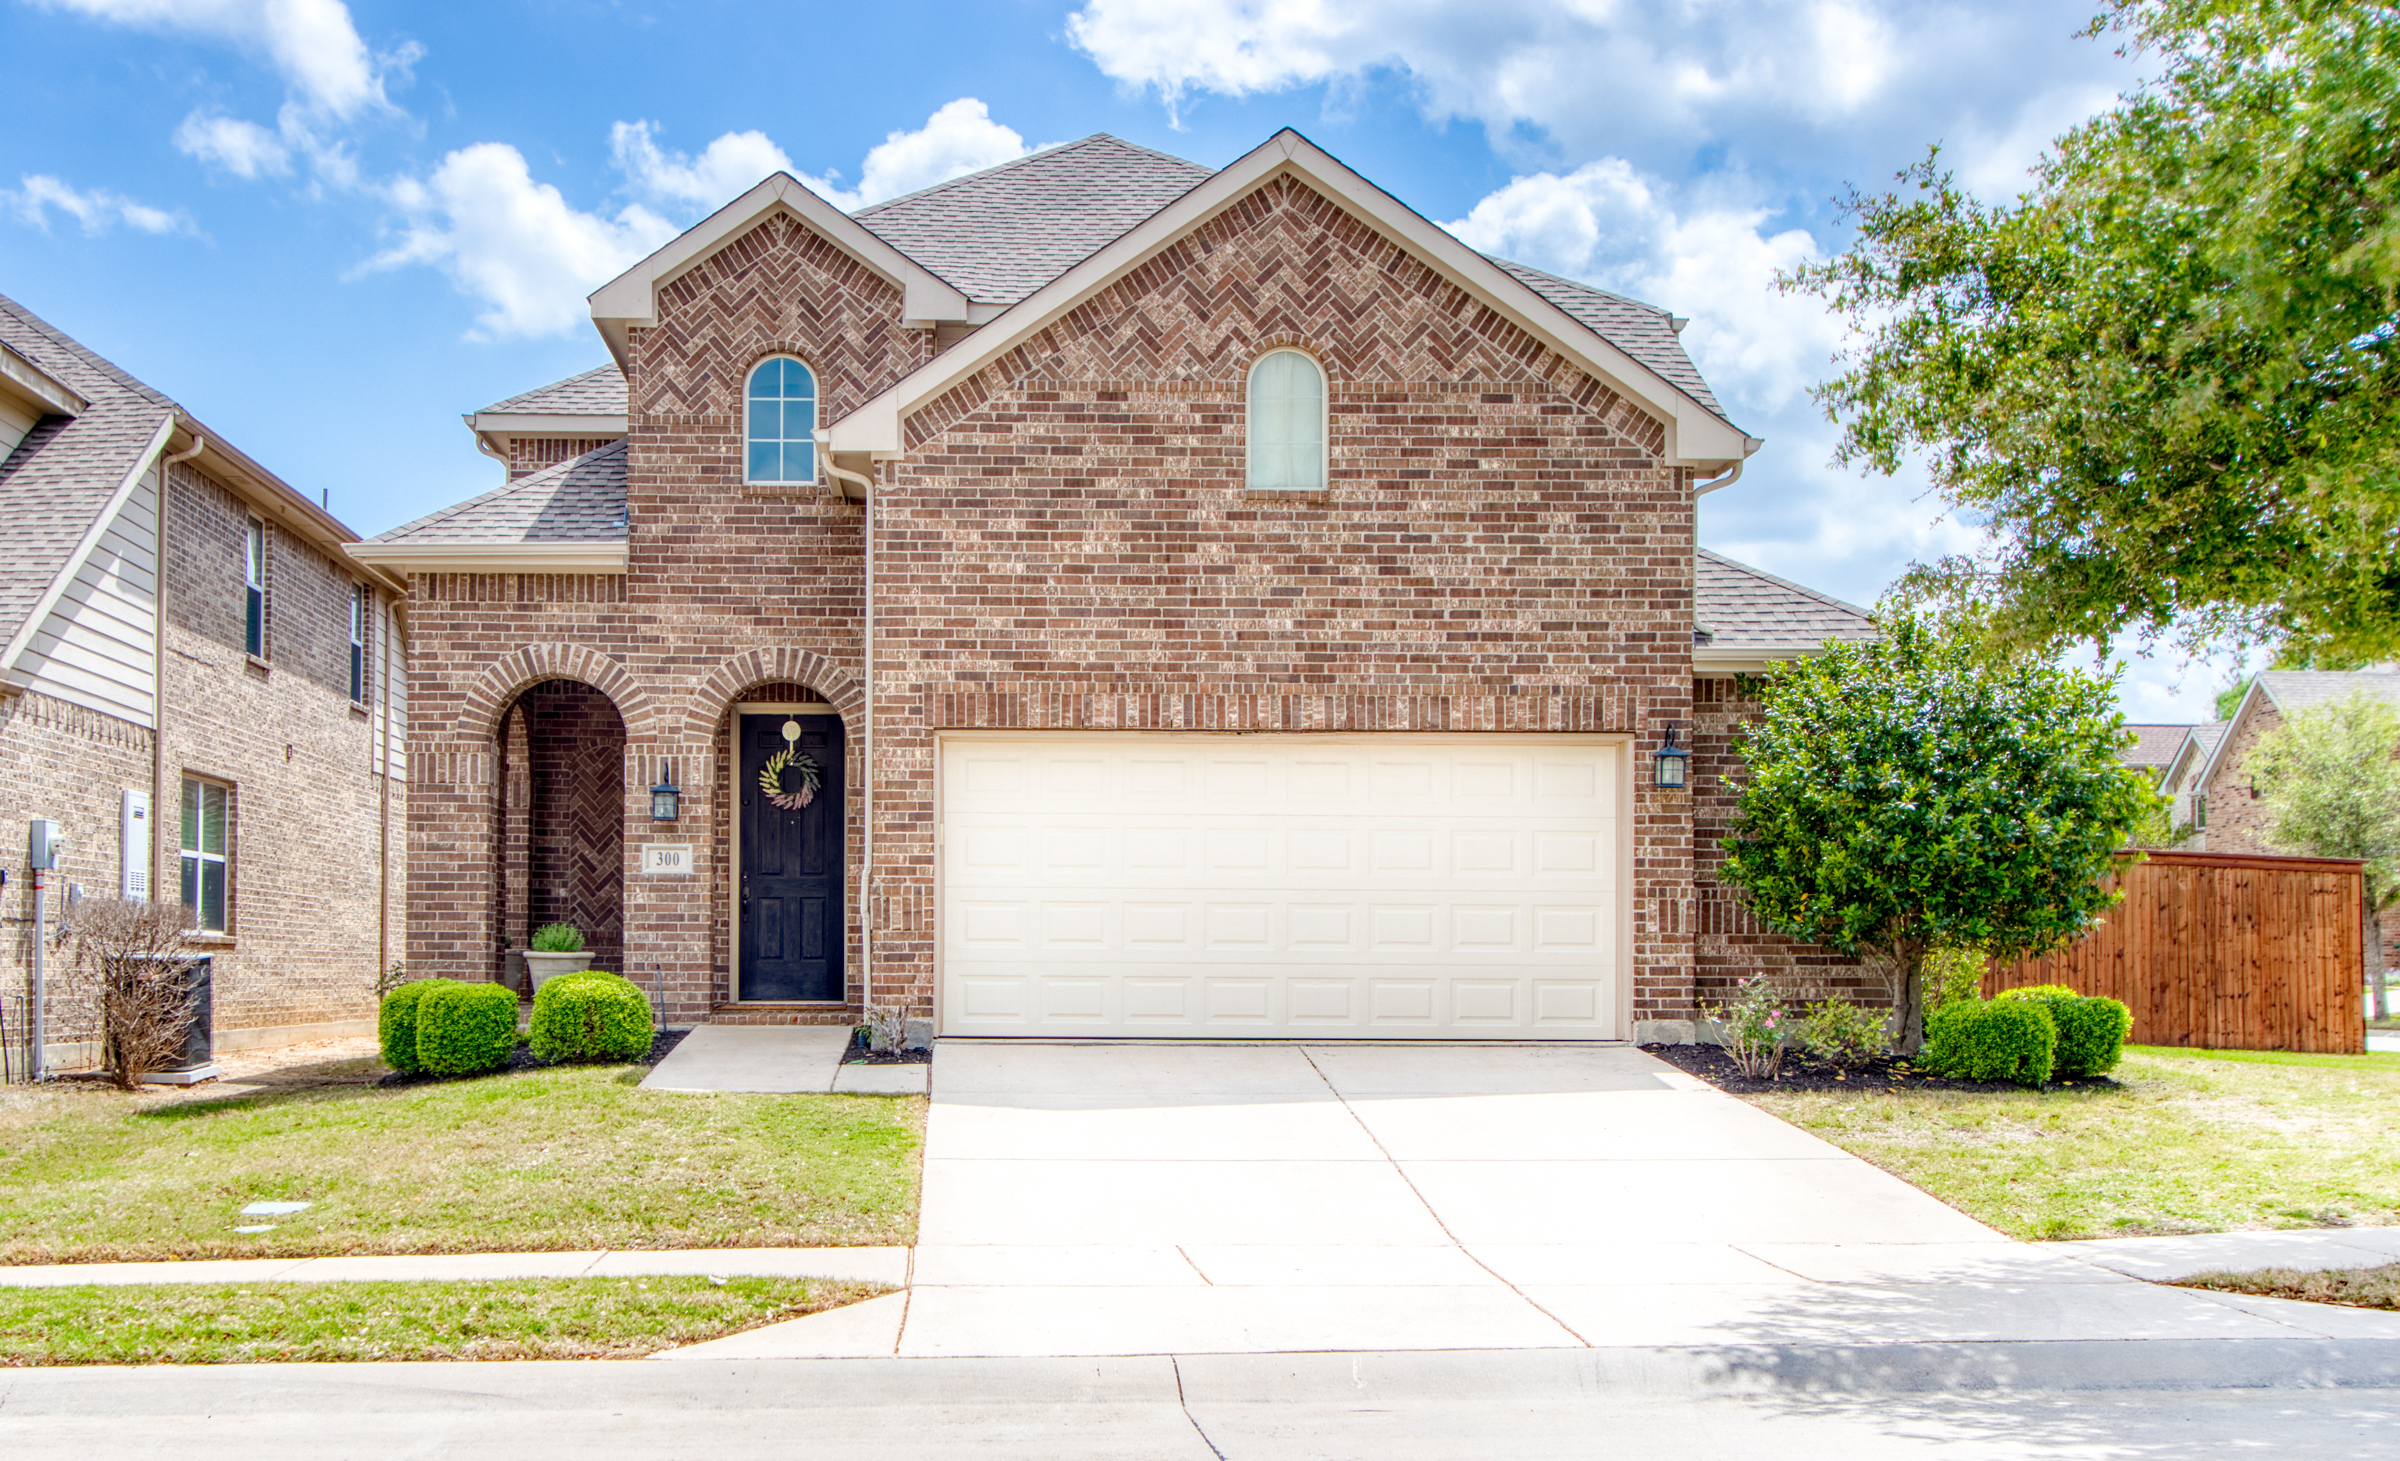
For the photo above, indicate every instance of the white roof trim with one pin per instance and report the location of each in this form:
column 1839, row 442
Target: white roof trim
column 22, row 377
column 630, row 300
column 528, row 423
column 492, row 557
column 83, row 547
column 1696, row 436
column 2233, row 726
column 1748, row 659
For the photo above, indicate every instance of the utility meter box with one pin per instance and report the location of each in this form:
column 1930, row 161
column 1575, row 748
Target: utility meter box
column 47, row 847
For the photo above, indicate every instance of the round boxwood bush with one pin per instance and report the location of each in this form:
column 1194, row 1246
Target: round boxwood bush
column 2091, row 1028
column 1991, row 1040
column 463, row 1029
column 396, row 1024
column 590, row 1015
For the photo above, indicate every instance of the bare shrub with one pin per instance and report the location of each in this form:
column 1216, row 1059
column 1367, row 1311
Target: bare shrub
column 887, row 1028
column 133, row 962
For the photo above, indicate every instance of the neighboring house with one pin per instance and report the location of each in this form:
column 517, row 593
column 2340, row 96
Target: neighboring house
column 217, row 732
column 2180, row 780
column 1263, row 610
column 2153, row 748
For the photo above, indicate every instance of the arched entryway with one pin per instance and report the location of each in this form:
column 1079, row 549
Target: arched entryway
column 784, row 931
column 562, row 820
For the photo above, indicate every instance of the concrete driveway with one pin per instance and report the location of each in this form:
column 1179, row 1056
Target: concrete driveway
column 1156, row 1199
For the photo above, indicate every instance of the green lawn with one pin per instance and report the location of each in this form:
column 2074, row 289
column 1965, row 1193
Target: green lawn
column 567, row 1158
column 2197, row 1141
column 505, row 1319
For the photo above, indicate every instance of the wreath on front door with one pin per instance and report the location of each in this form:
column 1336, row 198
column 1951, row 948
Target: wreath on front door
column 801, row 765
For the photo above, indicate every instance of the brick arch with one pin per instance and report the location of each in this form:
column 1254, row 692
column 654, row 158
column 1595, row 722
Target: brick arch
column 501, row 681
column 770, row 666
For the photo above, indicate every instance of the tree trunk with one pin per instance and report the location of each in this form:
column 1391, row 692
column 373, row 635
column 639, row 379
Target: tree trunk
column 1902, row 967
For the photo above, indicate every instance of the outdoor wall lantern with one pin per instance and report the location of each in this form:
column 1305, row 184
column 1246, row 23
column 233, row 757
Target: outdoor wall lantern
column 666, row 800
column 1670, row 763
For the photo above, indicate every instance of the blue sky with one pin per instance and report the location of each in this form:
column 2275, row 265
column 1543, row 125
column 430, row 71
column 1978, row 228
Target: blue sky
column 331, row 229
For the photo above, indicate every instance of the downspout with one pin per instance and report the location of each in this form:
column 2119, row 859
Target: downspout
column 866, row 727
column 1725, row 480
column 383, row 832
column 158, row 670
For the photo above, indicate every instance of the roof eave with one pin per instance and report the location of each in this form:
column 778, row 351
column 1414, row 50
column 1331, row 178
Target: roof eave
column 1696, row 436
column 407, row 558
column 630, row 300
column 46, row 393
column 1750, row 659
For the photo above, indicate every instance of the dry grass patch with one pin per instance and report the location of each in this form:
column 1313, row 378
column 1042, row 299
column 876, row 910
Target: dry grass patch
column 2359, row 1288
column 501, row 1319
column 2192, row 1141
column 564, row 1158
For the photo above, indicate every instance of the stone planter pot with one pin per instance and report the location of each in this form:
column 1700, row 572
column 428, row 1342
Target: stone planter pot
column 540, row 968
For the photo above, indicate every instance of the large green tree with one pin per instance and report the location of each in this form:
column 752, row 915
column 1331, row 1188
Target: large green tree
column 1920, row 791
column 2167, row 376
column 2331, row 787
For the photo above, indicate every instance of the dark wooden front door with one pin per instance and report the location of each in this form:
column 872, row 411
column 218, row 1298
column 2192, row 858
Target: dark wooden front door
column 791, row 876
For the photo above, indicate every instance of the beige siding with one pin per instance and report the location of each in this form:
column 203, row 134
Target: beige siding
column 15, row 421
column 98, row 647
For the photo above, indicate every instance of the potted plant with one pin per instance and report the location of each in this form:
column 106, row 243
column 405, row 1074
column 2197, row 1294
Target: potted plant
column 557, row 948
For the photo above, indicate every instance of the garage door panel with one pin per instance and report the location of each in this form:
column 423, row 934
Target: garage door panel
column 1320, row 886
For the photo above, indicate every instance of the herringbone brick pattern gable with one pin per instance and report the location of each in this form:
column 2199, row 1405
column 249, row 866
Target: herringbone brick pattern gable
column 779, row 288
column 1284, row 264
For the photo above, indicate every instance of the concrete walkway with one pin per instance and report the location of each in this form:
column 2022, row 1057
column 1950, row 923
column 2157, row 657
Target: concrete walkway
column 777, row 1060
column 1127, row 1200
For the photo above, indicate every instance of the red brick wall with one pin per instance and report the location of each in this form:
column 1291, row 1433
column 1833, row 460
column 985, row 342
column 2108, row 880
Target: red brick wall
column 575, row 822
column 1070, row 545
column 1732, row 945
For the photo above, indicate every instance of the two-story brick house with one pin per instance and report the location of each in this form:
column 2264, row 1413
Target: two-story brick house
column 1212, row 603
column 202, row 689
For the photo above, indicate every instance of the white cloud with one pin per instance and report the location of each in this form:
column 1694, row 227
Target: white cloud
column 957, row 139
column 514, row 244
column 1780, row 81
column 312, row 42
column 98, row 210
column 730, row 167
column 245, row 149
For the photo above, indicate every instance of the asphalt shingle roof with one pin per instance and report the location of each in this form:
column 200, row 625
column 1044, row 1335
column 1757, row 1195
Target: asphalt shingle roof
column 1642, row 331
column 1741, row 607
column 54, row 485
column 581, row 500
column 2153, row 745
column 1000, row 234
column 599, row 391
column 2300, row 689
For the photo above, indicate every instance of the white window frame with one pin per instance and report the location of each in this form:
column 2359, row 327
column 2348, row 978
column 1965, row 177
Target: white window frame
column 358, row 644
column 254, row 584
column 1324, row 423
column 816, row 416
column 199, row 859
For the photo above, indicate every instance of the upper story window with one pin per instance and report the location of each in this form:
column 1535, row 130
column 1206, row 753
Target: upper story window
column 254, row 588
column 780, row 434
column 358, row 644
column 1287, row 423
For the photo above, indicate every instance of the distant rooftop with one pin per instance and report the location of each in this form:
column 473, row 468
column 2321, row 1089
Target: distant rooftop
column 1740, row 607
column 581, row 500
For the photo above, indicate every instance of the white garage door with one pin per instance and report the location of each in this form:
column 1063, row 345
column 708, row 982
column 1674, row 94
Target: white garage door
column 1306, row 886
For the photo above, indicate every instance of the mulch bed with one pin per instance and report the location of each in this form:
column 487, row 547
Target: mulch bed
column 859, row 1054
column 1711, row 1064
column 523, row 1058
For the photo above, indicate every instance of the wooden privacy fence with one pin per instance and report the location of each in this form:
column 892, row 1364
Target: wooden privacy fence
column 2225, row 951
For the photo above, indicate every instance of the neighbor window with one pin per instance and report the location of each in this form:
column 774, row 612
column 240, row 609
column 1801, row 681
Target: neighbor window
column 204, row 807
column 780, row 435
column 254, row 589
column 358, row 644
column 1287, row 423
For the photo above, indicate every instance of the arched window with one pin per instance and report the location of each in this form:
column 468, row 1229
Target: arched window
column 780, row 435
column 1287, row 423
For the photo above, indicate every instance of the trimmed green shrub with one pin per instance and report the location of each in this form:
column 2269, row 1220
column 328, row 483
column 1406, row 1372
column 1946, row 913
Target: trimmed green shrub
column 591, row 1015
column 1953, row 972
column 557, row 938
column 2091, row 1028
column 463, row 1029
column 1992, row 1040
column 396, row 1023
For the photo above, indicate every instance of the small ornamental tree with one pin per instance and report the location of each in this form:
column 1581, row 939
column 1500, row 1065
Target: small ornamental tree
column 1920, row 791
column 2332, row 789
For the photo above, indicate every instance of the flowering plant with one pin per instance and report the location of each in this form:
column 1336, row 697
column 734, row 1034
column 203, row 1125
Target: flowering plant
column 1754, row 1025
